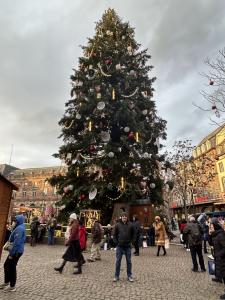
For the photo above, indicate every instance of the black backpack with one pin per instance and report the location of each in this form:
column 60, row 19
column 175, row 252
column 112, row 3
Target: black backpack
column 196, row 234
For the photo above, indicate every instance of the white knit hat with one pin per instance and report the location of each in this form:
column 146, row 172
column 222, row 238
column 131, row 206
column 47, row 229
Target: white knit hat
column 73, row 216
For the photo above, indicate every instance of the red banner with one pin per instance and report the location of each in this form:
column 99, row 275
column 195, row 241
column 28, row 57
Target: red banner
column 201, row 199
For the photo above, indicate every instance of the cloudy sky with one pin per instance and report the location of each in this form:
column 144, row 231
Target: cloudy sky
column 39, row 46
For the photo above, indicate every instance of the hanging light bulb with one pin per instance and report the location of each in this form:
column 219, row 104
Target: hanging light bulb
column 113, row 94
column 78, row 172
column 137, row 137
column 89, row 126
column 122, row 183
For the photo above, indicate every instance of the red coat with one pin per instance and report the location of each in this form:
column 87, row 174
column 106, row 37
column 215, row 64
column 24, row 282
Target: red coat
column 83, row 238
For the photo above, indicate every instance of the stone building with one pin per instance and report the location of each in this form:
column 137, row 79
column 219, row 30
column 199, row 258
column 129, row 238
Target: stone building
column 34, row 189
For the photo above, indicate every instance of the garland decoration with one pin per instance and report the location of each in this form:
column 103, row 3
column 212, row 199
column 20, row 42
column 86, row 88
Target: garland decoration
column 103, row 73
column 68, row 127
column 90, row 158
column 131, row 95
column 114, row 199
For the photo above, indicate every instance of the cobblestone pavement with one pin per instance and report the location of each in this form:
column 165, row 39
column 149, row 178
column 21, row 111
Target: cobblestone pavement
column 164, row 277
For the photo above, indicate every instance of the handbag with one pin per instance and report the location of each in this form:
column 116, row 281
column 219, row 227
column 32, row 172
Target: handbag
column 167, row 244
column 211, row 267
column 145, row 244
column 8, row 246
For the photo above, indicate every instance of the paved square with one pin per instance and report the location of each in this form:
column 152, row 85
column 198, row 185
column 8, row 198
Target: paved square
column 164, row 277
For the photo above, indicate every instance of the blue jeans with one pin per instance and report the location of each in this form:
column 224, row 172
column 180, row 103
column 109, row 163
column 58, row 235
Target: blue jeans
column 51, row 232
column 119, row 253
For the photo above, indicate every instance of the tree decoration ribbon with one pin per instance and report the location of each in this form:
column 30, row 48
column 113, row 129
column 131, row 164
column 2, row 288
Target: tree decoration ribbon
column 68, row 127
column 114, row 199
column 103, row 73
column 131, row 95
column 90, row 158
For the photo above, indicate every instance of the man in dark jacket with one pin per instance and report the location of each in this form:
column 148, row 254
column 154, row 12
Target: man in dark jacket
column 194, row 234
column 124, row 235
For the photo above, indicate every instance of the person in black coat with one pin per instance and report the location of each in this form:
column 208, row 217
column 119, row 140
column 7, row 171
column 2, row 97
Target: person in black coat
column 217, row 240
column 137, row 228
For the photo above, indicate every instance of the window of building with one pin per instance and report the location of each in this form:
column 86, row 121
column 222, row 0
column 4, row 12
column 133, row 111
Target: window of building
column 208, row 145
column 203, row 148
column 199, row 151
column 221, row 167
column 45, row 191
column 34, row 194
column 223, row 183
column 24, row 193
column 213, row 142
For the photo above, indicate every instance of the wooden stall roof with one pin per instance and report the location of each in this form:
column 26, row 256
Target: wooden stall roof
column 14, row 187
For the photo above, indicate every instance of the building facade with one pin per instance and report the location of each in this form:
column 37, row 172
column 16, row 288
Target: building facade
column 208, row 196
column 34, row 188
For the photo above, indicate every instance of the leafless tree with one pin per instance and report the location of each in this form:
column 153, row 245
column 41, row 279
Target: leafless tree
column 190, row 174
column 214, row 95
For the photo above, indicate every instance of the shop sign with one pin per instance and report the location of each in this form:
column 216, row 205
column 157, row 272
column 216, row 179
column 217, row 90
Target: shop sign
column 201, row 199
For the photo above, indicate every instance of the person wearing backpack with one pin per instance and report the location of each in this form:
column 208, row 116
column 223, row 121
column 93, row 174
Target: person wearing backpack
column 194, row 234
column 96, row 234
column 34, row 231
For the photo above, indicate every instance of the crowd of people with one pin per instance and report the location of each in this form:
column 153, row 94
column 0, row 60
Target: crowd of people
column 203, row 234
column 197, row 234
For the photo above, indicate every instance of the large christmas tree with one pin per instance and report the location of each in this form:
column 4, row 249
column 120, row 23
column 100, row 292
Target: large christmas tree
column 110, row 128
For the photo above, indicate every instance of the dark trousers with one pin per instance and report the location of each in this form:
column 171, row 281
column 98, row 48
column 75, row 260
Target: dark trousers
column 10, row 269
column 205, row 246
column 120, row 251
column 197, row 250
column 164, row 250
column 51, row 232
column 136, row 246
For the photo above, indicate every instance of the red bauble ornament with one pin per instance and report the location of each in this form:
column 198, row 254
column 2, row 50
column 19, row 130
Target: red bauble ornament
column 108, row 61
column 82, row 197
column 211, row 82
column 92, row 148
column 131, row 136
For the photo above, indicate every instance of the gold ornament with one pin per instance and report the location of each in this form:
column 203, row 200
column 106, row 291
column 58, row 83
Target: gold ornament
column 89, row 126
column 113, row 94
column 137, row 137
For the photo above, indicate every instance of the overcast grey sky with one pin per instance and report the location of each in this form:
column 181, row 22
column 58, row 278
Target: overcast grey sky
column 39, row 46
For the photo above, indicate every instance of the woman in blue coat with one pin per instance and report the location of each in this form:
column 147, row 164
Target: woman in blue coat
column 17, row 238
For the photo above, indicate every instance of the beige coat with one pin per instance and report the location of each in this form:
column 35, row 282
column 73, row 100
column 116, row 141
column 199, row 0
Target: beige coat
column 160, row 233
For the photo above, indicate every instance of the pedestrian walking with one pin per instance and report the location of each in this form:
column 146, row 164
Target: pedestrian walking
column 160, row 234
column 205, row 235
column 137, row 228
column 73, row 251
column 17, row 240
column 124, row 236
column 151, row 235
column 217, row 240
column 194, row 233
column 51, row 226
column 97, row 233
column 83, row 238
column 34, row 231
